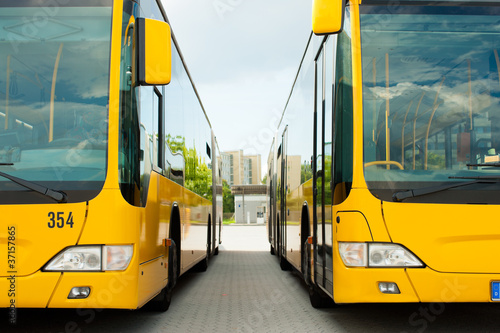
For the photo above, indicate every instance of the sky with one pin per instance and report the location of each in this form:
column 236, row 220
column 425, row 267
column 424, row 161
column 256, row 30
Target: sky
column 243, row 56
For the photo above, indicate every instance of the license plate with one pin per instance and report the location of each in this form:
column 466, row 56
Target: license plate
column 495, row 291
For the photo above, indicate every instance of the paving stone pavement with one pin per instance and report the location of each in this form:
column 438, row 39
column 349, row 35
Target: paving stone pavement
column 244, row 290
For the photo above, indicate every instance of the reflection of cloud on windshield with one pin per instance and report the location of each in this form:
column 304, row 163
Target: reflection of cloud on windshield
column 450, row 100
column 84, row 69
column 33, row 114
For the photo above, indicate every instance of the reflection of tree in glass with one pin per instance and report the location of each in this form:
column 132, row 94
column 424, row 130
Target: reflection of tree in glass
column 305, row 172
column 176, row 144
column 198, row 174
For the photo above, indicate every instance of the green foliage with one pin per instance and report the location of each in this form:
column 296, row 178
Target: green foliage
column 305, row 173
column 227, row 198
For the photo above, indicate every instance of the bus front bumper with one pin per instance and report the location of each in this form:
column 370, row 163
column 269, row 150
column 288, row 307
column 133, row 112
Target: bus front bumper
column 51, row 290
column 361, row 285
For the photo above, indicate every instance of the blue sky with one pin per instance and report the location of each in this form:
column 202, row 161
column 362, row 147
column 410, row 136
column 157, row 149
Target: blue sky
column 243, row 56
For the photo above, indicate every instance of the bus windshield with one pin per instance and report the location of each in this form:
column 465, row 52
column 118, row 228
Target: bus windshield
column 54, row 77
column 431, row 100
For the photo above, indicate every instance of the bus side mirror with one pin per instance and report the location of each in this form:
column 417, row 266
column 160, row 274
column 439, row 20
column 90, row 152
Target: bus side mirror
column 328, row 16
column 154, row 52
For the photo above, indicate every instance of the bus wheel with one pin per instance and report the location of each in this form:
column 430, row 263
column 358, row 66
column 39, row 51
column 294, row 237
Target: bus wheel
column 202, row 266
column 284, row 265
column 161, row 303
column 306, row 263
column 318, row 299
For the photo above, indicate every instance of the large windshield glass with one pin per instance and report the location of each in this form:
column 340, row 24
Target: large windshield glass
column 54, row 76
column 431, row 93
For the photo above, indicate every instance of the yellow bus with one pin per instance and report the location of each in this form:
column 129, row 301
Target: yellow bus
column 109, row 183
column 383, row 176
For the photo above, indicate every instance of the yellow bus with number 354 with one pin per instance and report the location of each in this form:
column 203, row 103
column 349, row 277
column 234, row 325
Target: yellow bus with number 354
column 384, row 174
column 109, row 183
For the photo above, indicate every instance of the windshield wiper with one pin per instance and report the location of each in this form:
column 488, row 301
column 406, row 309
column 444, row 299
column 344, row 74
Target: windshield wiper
column 53, row 194
column 402, row 195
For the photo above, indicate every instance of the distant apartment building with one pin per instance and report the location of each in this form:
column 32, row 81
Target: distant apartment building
column 238, row 169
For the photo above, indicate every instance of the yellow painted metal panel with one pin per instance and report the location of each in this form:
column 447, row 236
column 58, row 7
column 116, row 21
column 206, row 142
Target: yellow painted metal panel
column 327, row 16
column 41, row 231
column 352, row 227
column 111, row 220
column 361, row 200
column 357, row 84
column 150, row 281
column 448, row 238
column 114, row 97
column 433, row 286
column 108, row 290
column 158, row 61
column 32, row 291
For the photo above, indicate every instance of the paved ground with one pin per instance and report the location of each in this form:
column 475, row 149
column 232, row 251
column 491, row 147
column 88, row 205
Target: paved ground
column 244, row 290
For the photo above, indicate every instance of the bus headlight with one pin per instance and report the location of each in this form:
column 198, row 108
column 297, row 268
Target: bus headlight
column 92, row 258
column 377, row 255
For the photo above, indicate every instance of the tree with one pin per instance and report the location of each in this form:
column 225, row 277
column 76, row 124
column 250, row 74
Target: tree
column 227, row 198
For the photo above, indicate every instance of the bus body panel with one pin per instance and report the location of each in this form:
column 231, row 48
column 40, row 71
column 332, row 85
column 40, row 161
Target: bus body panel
column 433, row 286
column 447, row 238
column 33, row 291
column 360, row 285
column 40, row 233
column 117, row 290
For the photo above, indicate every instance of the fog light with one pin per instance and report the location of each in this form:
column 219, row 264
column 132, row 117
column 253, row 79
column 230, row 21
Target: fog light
column 388, row 288
column 79, row 293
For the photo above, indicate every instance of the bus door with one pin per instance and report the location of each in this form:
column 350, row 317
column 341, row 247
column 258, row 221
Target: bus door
column 323, row 259
column 279, row 201
column 284, row 189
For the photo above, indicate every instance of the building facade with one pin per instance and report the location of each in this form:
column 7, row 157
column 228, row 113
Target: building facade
column 240, row 169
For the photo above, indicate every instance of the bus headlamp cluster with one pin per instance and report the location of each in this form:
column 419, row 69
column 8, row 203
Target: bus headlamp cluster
column 377, row 255
column 92, row 258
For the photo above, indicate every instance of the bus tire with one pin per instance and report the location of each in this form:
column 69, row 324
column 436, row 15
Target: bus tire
column 318, row 299
column 161, row 303
column 284, row 264
column 306, row 263
column 202, row 266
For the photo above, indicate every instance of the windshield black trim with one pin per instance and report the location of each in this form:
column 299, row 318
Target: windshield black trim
column 58, row 3
column 429, row 3
column 58, row 196
column 419, row 8
column 76, row 192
